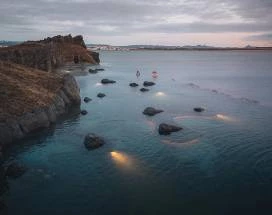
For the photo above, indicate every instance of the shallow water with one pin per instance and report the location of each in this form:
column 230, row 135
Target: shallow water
column 220, row 163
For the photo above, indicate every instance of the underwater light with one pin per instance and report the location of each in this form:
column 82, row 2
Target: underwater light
column 160, row 94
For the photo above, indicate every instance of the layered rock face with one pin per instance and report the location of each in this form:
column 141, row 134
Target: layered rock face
column 31, row 99
column 50, row 53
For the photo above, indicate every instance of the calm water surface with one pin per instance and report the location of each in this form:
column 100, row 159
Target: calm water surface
column 220, row 163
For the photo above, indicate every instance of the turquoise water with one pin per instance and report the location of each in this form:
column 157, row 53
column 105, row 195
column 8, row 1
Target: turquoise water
column 220, row 163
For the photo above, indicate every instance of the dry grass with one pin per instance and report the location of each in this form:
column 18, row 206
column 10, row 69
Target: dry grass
column 23, row 89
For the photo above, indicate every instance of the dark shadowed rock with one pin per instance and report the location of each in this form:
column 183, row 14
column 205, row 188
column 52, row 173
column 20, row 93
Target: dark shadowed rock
column 107, row 81
column 87, row 99
column 199, row 109
column 100, row 69
column 83, row 112
column 150, row 111
column 93, row 141
column 148, row 83
column 133, row 85
column 92, row 71
column 101, row 95
column 15, row 170
column 166, row 129
column 144, row 90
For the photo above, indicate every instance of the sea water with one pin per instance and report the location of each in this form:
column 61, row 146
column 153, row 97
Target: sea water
column 220, row 163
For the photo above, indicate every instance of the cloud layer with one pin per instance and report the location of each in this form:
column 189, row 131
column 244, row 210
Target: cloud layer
column 129, row 20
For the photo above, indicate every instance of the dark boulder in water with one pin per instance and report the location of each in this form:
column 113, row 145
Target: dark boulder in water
column 83, row 112
column 15, row 170
column 144, row 90
column 100, row 69
column 87, row 99
column 101, row 95
column 107, row 81
column 92, row 71
column 150, row 111
column 93, row 141
column 148, row 83
column 166, row 129
column 199, row 109
column 133, row 85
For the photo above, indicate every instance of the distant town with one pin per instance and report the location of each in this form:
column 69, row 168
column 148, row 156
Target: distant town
column 105, row 47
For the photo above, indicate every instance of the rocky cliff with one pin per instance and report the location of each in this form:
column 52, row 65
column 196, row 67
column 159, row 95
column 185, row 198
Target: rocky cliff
column 50, row 53
column 31, row 99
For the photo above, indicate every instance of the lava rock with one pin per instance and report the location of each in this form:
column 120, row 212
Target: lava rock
column 101, row 95
column 166, row 129
column 15, row 170
column 199, row 109
column 83, row 112
column 133, row 85
column 93, row 141
column 144, row 90
column 148, row 83
column 87, row 99
column 107, row 81
column 150, row 111
column 92, row 71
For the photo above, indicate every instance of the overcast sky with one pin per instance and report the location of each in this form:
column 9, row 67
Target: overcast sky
column 124, row 22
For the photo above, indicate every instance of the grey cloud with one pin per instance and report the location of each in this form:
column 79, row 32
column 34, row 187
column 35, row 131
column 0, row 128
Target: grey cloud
column 123, row 17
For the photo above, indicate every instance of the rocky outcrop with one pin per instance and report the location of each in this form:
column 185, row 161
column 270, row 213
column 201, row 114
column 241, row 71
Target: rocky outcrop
column 101, row 95
column 199, row 109
column 150, row 111
column 31, row 99
column 148, row 83
column 93, row 141
column 133, row 84
column 107, row 81
column 50, row 53
column 166, row 129
column 144, row 89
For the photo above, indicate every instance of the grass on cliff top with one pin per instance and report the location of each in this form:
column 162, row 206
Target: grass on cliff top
column 23, row 89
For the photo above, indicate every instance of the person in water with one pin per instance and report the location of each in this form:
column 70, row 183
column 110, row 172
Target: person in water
column 137, row 73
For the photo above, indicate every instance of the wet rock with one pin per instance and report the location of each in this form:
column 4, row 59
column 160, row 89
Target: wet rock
column 100, row 69
column 148, row 83
column 101, row 95
column 199, row 109
column 166, row 129
column 144, row 90
column 92, row 71
column 15, row 170
column 87, row 99
column 107, row 81
column 93, row 141
column 83, row 112
column 150, row 111
column 133, row 85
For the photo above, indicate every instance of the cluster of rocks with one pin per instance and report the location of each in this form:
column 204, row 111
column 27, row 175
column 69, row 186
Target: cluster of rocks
column 145, row 84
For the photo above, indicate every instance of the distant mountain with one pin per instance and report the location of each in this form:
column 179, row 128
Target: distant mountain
column 9, row 43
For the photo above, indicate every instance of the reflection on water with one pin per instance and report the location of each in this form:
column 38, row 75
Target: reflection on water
column 121, row 159
column 225, row 118
column 179, row 143
column 160, row 94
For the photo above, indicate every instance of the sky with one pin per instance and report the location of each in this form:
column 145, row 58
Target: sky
column 221, row 23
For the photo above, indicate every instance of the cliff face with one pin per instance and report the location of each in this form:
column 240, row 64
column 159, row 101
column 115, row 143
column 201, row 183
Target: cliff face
column 50, row 53
column 31, row 99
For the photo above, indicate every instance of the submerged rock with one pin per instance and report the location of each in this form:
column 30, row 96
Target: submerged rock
column 107, row 81
column 15, row 170
column 83, row 112
column 199, row 109
column 100, row 69
column 150, row 111
column 93, row 141
column 133, row 85
column 144, row 90
column 87, row 99
column 101, row 95
column 166, row 129
column 148, row 83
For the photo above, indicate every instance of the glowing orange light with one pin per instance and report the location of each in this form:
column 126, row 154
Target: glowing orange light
column 121, row 158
